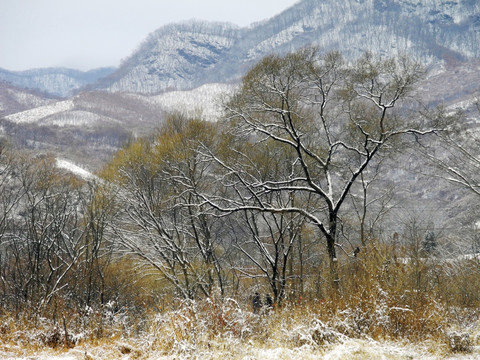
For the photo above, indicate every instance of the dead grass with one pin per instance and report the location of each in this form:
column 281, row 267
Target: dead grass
column 381, row 298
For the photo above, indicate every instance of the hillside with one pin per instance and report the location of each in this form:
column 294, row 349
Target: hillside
column 187, row 55
column 14, row 99
column 90, row 126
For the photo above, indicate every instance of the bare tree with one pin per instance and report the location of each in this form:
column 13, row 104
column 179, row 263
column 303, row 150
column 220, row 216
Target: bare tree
column 267, row 241
column 371, row 201
column 44, row 241
column 99, row 210
column 10, row 196
column 163, row 222
column 329, row 118
column 454, row 153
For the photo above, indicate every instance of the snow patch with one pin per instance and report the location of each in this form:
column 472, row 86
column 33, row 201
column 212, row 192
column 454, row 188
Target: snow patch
column 204, row 101
column 67, row 165
column 36, row 114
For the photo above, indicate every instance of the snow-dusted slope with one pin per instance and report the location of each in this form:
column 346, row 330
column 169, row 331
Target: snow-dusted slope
column 204, row 101
column 38, row 113
column 185, row 56
column 89, row 110
column 13, row 99
column 74, row 169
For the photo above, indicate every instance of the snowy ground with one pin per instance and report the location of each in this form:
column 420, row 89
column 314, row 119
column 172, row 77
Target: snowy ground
column 69, row 166
column 350, row 349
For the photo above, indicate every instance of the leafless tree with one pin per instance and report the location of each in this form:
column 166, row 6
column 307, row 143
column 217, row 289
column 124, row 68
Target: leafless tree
column 268, row 242
column 455, row 152
column 44, row 241
column 329, row 118
column 163, row 223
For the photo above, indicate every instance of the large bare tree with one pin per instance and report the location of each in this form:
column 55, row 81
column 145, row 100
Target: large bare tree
column 329, row 121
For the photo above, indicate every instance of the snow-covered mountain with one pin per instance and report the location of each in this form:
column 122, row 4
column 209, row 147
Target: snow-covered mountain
column 54, row 81
column 187, row 55
column 188, row 67
column 177, row 56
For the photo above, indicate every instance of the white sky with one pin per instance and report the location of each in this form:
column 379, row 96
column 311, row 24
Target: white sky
column 85, row 34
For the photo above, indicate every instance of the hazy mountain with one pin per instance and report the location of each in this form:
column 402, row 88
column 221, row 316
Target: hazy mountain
column 187, row 55
column 54, row 81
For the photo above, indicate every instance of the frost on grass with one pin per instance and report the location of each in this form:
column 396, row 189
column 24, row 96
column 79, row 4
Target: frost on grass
column 226, row 330
column 460, row 342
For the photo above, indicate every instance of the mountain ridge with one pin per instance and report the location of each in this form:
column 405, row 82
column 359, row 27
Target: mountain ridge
column 54, row 81
column 188, row 54
column 431, row 30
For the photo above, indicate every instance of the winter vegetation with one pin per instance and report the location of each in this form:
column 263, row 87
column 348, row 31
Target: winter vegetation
column 273, row 232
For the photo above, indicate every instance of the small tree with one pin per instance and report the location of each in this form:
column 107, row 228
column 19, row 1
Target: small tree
column 429, row 243
column 163, row 223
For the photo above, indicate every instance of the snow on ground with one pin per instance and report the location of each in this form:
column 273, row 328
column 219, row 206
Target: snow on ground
column 204, row 101
column 67, row 165
column 351, row 349
column 38, row 113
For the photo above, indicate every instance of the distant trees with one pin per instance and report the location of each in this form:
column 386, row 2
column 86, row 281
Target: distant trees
column 52, row 229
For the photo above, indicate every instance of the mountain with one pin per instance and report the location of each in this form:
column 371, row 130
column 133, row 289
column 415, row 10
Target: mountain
column 53, row 81
column 188, row 66
column 187, row 55
column 174, row 56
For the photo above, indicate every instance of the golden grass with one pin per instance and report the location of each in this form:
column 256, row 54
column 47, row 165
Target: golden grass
column 381, row 298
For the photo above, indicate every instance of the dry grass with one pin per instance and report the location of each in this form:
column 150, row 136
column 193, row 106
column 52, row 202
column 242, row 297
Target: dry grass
column 381, row 299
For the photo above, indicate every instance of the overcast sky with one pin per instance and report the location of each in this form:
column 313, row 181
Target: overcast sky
column 85, row 34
